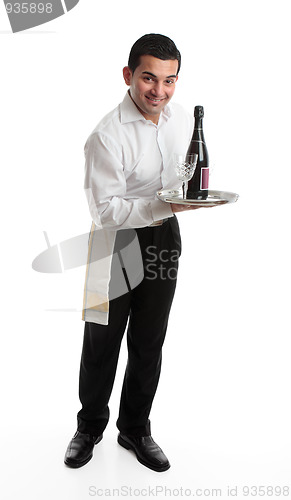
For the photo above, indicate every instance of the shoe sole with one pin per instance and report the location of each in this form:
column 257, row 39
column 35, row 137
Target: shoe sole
column 77, row 465
column 128, row 446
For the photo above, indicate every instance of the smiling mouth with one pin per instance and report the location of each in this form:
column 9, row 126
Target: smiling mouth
column 154, row 100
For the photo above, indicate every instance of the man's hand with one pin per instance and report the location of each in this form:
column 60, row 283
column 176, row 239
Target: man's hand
column 177, row 207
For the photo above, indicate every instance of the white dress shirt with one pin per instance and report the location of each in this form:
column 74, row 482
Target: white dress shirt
column 128, row 159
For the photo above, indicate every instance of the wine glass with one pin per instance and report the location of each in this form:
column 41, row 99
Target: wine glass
column 185, row 167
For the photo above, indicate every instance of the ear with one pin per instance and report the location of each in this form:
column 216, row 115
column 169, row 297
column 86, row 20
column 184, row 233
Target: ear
column 127, row 75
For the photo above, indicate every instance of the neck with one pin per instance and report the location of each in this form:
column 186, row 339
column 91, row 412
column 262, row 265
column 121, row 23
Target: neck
column 152, row 118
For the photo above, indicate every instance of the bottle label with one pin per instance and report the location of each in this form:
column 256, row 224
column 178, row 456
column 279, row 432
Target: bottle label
column 204, row 179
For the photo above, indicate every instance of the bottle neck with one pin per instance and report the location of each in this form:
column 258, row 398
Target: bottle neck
column 198, row 124
column 198, row 129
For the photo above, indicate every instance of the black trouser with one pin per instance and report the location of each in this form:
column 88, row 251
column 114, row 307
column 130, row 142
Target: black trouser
column 147, row 307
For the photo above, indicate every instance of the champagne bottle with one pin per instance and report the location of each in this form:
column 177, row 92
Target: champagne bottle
column 198, row 185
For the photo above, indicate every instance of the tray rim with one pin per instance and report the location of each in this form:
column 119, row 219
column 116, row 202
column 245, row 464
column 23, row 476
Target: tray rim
column 219, row 197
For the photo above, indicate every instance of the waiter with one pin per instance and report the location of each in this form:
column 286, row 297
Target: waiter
column 128, row 159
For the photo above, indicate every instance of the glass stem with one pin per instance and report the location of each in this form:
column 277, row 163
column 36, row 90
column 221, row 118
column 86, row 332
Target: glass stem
column 185, row 188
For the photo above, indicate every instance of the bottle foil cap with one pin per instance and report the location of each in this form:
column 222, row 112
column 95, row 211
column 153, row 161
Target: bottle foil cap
column 198, row 112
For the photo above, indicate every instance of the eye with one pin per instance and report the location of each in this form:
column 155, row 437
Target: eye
column 170, row 82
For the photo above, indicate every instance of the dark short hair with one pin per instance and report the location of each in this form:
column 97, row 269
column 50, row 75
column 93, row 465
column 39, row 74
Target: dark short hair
column 155, row 45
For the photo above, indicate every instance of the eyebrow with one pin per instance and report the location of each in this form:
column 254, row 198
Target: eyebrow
column 155, row 76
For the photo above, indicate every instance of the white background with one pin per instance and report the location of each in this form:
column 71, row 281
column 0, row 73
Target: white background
column 222, row 410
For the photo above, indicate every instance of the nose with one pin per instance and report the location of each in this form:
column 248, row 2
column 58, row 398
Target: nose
column 158, row 89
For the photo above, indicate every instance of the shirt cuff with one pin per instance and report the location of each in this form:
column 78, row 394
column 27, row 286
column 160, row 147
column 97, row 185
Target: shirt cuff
column 161, row 210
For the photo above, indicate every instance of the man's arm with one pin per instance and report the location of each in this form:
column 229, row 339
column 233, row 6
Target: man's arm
column 105, row 186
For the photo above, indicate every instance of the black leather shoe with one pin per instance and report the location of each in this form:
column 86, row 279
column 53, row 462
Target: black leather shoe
column 147, row 451
column 80, row 449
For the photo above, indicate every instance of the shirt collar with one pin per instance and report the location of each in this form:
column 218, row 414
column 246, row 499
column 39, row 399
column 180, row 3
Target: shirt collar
column 130, row 113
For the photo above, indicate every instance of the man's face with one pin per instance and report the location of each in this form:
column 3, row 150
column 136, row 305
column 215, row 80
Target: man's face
column 152, row 85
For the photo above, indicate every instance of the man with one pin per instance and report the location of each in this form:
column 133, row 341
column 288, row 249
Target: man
column 128, row 159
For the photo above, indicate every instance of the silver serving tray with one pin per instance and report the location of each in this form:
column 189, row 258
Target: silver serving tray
column 213, row 198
